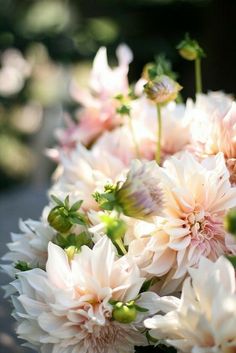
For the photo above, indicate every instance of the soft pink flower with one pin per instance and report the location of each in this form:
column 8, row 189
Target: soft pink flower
column 84, row 172
column 196, row 198
column 203, row 320
column 98, row 112
column 66, row 309
column 214, row 129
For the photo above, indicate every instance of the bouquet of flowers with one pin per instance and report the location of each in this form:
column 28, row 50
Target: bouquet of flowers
column 137, row 244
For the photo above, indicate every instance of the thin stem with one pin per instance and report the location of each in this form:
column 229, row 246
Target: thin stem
column 198, row 75
column 121, row 246
column 159, row 131
column 134, row 138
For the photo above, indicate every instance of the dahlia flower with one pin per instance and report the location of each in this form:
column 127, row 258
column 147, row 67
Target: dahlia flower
column 214, row 128
column 67, row 308
column 175, row 132
column 30, row 246
column 204, row 319
column 98, row 111
column 196, row 198
column 85, row 172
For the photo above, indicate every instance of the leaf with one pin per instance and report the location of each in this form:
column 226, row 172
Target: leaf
column 76, row 206
column 56, row 200
column 232, row 259
column 67, row 202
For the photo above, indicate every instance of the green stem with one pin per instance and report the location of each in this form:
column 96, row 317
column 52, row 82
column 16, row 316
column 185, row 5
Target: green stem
column 120, row 244
column 134, row 138
column 159, row 131
column 198, row 75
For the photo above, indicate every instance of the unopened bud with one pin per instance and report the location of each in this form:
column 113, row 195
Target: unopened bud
column 141, row 196
column 115, row 227
column 189, row 49
column 124, row 313
column 162, row 89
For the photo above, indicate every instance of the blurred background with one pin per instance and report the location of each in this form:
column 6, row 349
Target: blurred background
column 46, row 43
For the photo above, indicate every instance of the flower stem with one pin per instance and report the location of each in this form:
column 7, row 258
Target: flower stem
column 134, row 138
column 159, row 131
column 198, row 75
column 120, row 244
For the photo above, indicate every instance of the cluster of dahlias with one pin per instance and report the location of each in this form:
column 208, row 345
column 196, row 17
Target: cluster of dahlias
column 136, row 245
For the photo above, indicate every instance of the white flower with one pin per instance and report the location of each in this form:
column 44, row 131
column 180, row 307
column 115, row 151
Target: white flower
column 85, row 172
column 214, row 128
column 98, row 112
column 204, row 319
column 66, row 309
column 175, row 132
column 30, row 246
column 196, row 198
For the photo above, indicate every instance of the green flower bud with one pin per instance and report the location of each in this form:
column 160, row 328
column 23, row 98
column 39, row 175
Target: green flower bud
column 115, row 227
column 124, row 313
column 162, row 89
column 189, row 49
column 58, row 219
column 230, row 221
column 62, row 217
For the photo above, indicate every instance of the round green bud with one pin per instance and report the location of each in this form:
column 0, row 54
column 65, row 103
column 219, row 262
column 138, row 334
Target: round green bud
column 124, row 313
column 116, row 229
column 230, row 221
column 189, row 49
column 59, row 220
column 188, row 52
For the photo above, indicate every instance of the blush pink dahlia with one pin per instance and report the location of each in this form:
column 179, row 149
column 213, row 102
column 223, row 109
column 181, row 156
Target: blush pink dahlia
column 196, row 198
column 215, row 132
column 98, row 112
column 84, row 172
column 66, row 309
column 204, row 319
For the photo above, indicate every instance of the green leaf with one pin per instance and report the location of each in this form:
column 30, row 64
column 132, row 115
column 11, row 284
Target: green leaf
column 76, row 206
column 56, row 200
column 232, row 259
column 67, row 202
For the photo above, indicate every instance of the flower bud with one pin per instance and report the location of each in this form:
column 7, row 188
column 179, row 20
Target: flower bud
column 58, row 219
column 124, row 313
column 189, row 49
column 62, row 217
column 115, row 227
column 140, row 196
column 230, row 221
column 162, row 89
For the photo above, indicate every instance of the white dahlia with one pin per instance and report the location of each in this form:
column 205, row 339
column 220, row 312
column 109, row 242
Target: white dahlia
column 98, row 112
column 84, row 172
column 67, row 310
column 30, row 246
column 203, row 320
column 196, row 198
column 214, row 128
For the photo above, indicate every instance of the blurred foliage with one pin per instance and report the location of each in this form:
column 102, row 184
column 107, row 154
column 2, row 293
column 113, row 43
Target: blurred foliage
column 43, row 43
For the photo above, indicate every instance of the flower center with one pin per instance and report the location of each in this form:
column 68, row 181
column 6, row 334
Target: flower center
column 203, row 226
